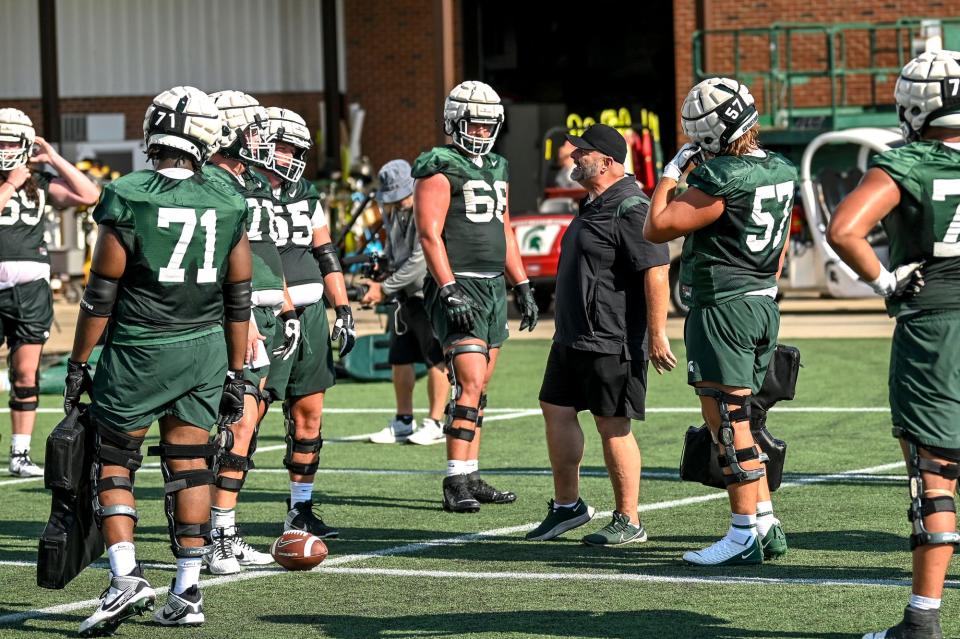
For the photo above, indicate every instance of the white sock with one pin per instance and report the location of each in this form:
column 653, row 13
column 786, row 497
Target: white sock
column 300, row 491
column 225, row 518
column 474, row 465
column 570, row 505
column 188, row 573
column 924, row 603
column 457, row 467
column 743, row 528
column 123, row 558
column 20, row 443
column 765, row 517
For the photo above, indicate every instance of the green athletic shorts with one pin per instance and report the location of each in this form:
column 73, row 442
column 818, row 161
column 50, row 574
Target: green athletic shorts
column 732, row 343
column 267, row 325
column 489, row 320
column 26, row 313
column 925, row 377
column 135, row 386
column 310, row 369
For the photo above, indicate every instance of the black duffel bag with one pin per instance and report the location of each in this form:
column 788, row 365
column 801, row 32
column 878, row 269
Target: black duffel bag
column 71, row 540
column 699, row 460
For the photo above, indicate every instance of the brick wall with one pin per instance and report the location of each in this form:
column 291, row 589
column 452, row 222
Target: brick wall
column 809, row 51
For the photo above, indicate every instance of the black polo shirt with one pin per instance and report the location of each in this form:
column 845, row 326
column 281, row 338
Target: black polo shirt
column 600, row 301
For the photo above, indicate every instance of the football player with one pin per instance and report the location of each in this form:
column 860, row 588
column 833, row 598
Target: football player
column 914, row 192
column 312, row 270
column 242, row 143
column 170, row 283
column 460, row 203
column 736, row 213
column 26, row 306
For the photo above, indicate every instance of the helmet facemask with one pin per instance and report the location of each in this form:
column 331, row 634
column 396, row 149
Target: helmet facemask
column 475, row 144
column 254, row 146
column 15, row 127
column 14, row 157
column 289, row 166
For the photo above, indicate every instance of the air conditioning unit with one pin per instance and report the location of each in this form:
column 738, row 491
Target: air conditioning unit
column 92, row 127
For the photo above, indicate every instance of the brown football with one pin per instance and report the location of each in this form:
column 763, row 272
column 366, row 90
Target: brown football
column 298, row 550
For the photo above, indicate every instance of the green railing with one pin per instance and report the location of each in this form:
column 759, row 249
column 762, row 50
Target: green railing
column 778, row 83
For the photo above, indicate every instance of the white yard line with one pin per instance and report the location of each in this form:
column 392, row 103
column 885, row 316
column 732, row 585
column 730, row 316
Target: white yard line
column 433, row 543
column 536, row 411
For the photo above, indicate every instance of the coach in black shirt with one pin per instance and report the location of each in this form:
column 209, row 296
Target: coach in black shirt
column 611, row 312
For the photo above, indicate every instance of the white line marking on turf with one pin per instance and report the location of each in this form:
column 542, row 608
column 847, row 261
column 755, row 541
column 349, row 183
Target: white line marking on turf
column 536, row 411
column 433, row 543
column 564, row 576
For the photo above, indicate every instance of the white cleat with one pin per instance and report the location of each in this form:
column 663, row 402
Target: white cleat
column 728, row 552
column 247, row 555
column 221, row 560
column 396, row 432
column 125, row 596
column 430, row 432
column 185, row 609
column 22, row 466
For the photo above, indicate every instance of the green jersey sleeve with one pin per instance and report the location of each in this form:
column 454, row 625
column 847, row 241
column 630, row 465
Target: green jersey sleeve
column 430, row 163
column 715, row 178
column 899, row 164
column 112, row 210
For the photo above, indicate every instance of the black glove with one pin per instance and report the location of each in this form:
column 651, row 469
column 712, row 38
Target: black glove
column 459, row 307
column 526, row 306
column 77, row 383
column 344, row 329
column 291, row 335
column 231, row 402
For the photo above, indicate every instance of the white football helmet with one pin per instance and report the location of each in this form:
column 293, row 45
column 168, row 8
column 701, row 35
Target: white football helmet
column 244, row 127
column 928, row 93
column 716, row 112
column 284, row 125
column 472, row 102
column 15, row 126
column 184, row 118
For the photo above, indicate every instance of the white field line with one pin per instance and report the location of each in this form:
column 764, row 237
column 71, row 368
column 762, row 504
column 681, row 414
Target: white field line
column 434, row 543
column 536, row 411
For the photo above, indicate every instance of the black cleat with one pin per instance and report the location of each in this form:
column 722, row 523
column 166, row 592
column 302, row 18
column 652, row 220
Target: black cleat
column 487, row 494
column 300, row 517
column 457, row 497
column 916, row 624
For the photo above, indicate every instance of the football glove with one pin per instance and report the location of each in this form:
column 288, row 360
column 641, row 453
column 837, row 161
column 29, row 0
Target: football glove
column 904, row 281
column 526, row 306
column 291, row 335
column 459, row 307
column 77, row 383
column 231, row 402
column 344, row 329
column 688, row 154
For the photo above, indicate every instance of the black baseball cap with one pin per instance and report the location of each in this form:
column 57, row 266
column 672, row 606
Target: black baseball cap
column 603, row 138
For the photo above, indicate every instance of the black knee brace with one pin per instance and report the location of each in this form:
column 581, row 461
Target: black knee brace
column 174, row 482
column 226, row 459
column 19, row 393
column 114, row 448
column 454, row 410
column 480, row 407
column 295, row 445
column 920, row 505
column 732, row 457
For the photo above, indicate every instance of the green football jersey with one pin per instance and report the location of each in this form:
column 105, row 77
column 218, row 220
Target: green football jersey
column 21, row 225
column 473, row 231
column 740, row 251
column 926, row 223
column 296, row 212
column 178, row 234
column 267, row 267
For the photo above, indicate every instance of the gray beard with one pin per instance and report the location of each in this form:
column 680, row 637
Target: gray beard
column 581, row 173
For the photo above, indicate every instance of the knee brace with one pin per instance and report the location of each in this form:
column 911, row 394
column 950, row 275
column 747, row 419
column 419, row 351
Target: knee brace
column 114, row 448
column 174, row 482
column 920, row 504
column 226, row 459
column 480, row 407
column 19, row 393
column 454, row 410
column 732, row 457
column 295, row 445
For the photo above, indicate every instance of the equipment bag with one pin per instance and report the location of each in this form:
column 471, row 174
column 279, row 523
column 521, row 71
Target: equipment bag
column 71, row 540
column 699, row 459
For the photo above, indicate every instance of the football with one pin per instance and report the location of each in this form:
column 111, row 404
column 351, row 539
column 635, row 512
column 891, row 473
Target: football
column 298, row 550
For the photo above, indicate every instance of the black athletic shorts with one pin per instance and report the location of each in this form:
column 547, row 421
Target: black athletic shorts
column 606, row 385
column 412, row 340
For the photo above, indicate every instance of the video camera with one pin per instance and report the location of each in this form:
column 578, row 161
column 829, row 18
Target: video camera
column 372, row 266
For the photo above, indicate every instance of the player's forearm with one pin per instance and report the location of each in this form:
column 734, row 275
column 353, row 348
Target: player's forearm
column 236, row 334
column 654, row 226
column 81, row 186
column 7, row 191
column 89, row 330
column 858, row 255
column 335, row 289
column 514, row 266
column 435, row 253
column 656, row 284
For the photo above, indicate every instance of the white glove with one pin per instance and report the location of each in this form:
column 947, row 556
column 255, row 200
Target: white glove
column 688, row 153
column 905, row 280
column 291, row 336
